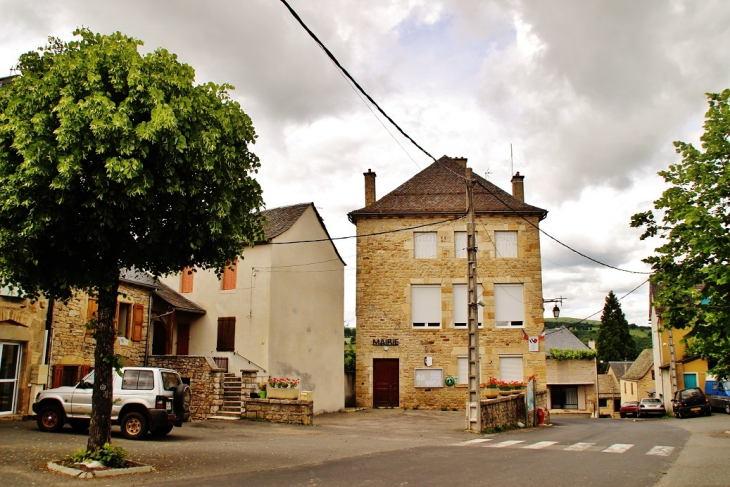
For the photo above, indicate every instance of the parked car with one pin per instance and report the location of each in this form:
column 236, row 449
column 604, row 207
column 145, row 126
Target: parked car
column 146, row 399
column 629, row 408
column 691, row 401
column 650, row 406
column 718, row 392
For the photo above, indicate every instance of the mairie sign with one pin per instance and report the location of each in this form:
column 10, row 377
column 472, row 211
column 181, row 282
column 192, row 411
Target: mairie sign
column 385, row 342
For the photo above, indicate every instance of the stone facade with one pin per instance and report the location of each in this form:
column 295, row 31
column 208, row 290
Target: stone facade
column 507, row 411
column 205, row 379
column 386, row 270
column 279, row 410
column 574, row 373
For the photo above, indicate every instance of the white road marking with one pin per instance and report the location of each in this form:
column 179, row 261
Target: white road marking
column 617, row 448
column 505, row 444
column 539, row 445
column 579, row 447
column 475, row 441
column 662, row 451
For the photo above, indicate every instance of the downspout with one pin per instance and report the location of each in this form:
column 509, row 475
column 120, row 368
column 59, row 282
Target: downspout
column 149, row 326
column 48, row 352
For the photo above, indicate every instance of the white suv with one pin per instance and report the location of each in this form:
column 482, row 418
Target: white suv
column 144, row 399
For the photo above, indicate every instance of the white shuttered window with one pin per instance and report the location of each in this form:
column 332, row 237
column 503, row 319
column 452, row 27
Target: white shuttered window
column 505, row 244
column 509, row 305
column 460, row 244
column 510, row 368
column 461, row 306
column 425, row 245
column 462, row 363
column 426, row 306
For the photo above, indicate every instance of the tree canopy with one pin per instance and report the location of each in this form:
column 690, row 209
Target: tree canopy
column 110, row 159
column 691, row 267
column 614, row 341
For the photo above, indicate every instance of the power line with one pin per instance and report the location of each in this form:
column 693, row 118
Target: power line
column 619, row 299
column 344, row 71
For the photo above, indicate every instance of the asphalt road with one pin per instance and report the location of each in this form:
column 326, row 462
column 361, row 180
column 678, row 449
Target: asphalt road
column 389, row 447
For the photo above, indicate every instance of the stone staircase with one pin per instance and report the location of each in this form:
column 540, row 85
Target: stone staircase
column 235, row 388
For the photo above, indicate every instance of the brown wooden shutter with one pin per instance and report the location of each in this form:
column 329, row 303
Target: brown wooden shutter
column 57, row 376
column 183, row 338
column 138, row 323
column 187, row 280
column 85, row 369
column 91, row 308
column 229, row 276
column 226, row 334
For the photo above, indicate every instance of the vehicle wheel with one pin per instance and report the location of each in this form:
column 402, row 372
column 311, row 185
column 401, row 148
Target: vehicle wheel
column 727, row 408
column 183, row 398
column 134, row 426
column 79, row 425
column 679, row 414
column 162, row 431
column 638, row 415
column 709, row 412
column 50, row 418
column 623, row 415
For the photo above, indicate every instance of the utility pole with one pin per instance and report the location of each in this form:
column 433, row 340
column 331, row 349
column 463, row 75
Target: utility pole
column 474, row 417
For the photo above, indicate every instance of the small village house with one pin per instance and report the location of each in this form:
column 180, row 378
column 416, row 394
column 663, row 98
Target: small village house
column 638, row 382
column 571, row 383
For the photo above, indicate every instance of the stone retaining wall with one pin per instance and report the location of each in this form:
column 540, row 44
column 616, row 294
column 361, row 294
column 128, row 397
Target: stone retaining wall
column 506, row 411
column 279, row 410
column 206, row 381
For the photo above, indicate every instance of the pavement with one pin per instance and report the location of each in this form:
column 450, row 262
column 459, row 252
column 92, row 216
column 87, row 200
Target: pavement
column 246, row 452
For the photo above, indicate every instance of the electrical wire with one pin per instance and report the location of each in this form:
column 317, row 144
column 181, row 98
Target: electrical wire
column 619, row 299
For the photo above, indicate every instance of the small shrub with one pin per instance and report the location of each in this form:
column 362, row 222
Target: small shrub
column 109, row 455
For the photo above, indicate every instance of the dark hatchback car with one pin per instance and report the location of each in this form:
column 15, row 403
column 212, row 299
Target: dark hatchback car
column 691, row 401
column 629, row 408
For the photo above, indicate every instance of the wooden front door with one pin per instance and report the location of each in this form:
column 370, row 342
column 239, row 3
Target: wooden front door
column 183, row 338
column 385, row 383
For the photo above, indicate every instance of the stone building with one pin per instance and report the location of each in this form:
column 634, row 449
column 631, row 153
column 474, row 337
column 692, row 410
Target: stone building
column 411, row 289
column 571, row 383
column 638, row 382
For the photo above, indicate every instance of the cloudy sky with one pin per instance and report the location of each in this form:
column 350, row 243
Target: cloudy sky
column 589, row 94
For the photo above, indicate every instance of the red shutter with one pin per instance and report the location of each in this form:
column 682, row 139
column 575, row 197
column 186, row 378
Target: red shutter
column 226, row 334
column 57, row 376
column 138, row 323
column 91, row 308
column 187, row 280
column 229, row 276
column 85, row 369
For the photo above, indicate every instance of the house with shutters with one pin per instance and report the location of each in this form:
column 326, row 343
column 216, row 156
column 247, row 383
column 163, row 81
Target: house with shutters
column 412, row 288
column 278, row 311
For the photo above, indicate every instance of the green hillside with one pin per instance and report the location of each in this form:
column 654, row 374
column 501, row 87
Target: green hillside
column 587, row 330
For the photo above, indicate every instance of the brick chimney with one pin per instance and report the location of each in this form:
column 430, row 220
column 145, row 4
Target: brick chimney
column 518, row 186
column 369, row 187
column 460, row 160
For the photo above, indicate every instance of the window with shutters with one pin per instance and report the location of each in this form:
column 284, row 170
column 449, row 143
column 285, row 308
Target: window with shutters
column 425, row 245
column 461, row 306
column 124, row 319
column 509, row 305
column 91, row 307
column 226, row 334
column 460, row 250
column 510, row 368
column 426, row 306
column 462, row 367
column 186, row 284
column 229, row 277
column 505, row 244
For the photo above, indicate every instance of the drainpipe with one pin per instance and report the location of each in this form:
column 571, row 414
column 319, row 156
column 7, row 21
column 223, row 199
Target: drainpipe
column 149, row 326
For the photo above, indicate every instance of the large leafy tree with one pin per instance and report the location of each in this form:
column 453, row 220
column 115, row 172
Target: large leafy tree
column 691, row 267
column 614, row 341
column 108, row 160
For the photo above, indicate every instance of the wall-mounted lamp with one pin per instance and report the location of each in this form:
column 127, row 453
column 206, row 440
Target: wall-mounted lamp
column 556, row 310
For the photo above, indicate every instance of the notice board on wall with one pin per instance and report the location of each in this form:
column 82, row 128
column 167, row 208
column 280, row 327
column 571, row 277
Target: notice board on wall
column 429, row 377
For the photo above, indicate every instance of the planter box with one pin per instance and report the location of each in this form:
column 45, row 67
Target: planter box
column 277, row 393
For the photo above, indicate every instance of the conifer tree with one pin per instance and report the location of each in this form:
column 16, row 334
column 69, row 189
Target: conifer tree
column 614, row 341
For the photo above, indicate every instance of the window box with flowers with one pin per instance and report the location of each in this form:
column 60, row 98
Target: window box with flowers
column 491, row 388
column 282, row 388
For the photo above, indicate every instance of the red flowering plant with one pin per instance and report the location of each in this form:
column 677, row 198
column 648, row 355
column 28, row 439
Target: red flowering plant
column 492, row 384
column 286, row 383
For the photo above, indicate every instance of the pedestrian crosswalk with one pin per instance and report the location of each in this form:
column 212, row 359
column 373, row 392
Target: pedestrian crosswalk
column 657, row 450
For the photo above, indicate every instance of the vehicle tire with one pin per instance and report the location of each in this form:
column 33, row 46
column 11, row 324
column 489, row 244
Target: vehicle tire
column 638, row 415
column 709, row 412
column 183, row 398
column 727, row 408
column 79, row 425
column 162, row 431
column 623, row 415
column 134, row 426
column 679, row 414
column 50, row 418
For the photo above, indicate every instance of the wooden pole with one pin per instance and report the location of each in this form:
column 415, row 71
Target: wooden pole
column 474, row 422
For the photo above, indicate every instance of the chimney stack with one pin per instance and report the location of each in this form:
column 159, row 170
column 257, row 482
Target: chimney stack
column 518, row 186
column 369, row 187
column 460, row 160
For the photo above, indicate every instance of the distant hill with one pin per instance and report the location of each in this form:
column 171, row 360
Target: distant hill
column 587, row 330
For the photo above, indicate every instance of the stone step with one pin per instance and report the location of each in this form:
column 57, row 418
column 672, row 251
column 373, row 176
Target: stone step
column 225, row 418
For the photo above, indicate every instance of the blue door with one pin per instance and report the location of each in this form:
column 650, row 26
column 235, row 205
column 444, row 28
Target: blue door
column 690, row 380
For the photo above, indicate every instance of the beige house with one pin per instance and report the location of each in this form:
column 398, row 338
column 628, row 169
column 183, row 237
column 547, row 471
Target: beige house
column 278, row 311
column 571, row 384
column 674, row 368
column 411, row 289
column 609, row 396
column 638, row 382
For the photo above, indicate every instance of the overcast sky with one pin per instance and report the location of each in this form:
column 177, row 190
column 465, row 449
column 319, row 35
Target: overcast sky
column 590, row 95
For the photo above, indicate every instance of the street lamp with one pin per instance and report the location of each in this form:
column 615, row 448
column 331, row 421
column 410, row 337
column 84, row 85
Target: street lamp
column 556, row 310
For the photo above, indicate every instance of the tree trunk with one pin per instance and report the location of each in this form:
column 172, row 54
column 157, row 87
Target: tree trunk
column 101, row 400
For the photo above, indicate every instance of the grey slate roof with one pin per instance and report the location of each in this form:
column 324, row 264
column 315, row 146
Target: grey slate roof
column 562, row 338
column 440, row 189
column 620, row 368
column 134, row 276
column 642, row 365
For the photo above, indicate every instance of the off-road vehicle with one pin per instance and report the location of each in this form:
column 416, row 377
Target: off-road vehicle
column 144, row 399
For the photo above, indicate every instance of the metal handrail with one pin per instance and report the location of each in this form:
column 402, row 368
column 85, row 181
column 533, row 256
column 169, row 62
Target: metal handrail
column 249, row 361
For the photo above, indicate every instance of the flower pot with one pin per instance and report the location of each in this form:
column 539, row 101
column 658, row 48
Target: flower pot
column 505, row 393
column 262, row 394
column 280, row 393
column 491, row 393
